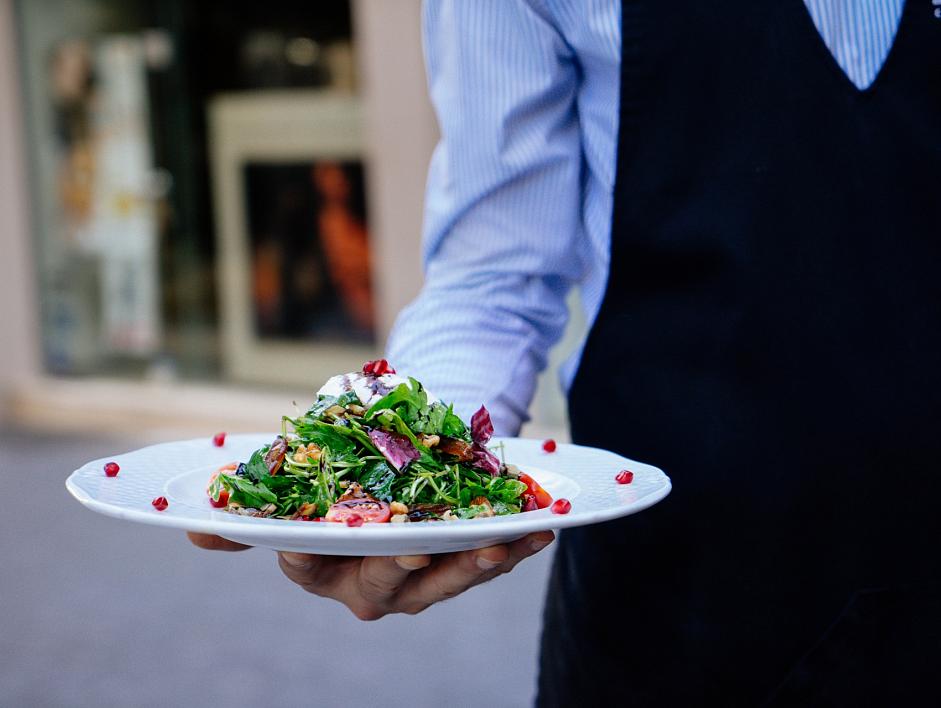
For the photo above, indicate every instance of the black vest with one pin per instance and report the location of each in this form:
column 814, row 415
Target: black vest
column 772, row 329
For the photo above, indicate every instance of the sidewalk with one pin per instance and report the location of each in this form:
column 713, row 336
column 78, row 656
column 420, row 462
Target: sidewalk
column 98, row 612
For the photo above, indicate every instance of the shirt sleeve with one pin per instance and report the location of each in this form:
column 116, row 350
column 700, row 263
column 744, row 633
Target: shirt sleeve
column 503, row 207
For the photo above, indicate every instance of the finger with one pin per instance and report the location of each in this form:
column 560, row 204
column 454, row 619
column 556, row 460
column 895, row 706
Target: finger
column 215, row 543
column 307, row 570
column 380, row 577
column 523, row 548
column 450, row 576
column 519, row 550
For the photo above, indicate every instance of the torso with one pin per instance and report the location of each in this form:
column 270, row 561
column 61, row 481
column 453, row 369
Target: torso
column 771, row 323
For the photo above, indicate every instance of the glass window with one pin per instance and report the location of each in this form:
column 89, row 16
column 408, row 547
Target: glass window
column 127, row 243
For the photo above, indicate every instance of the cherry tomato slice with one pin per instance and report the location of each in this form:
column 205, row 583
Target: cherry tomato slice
column 224, row 496
column 370, row 511
column 543, row 498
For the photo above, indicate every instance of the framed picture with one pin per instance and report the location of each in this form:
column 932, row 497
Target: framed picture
column 296, row 286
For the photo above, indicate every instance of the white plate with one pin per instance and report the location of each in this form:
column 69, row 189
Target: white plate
column 180, row 470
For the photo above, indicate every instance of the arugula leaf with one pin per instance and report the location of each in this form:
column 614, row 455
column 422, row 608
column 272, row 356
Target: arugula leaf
column 505, row 490
column 471, row 491
column 277, row 482
column 329, row 436
column 469, row 512
column 378, row 479
column 413, row 397
column 257, row 469
column 453, row 426
column 501, row 509
column 245, row 493
column 324, row 402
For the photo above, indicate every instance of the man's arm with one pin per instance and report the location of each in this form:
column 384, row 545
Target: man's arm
column 503, row 207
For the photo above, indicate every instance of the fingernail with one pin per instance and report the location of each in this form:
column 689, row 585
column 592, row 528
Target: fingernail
column 486, row 563
column 538, row 545
column 296, row 560
column 409, row 563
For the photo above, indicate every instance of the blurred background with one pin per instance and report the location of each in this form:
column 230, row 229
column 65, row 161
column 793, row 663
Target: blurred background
column 206, row 209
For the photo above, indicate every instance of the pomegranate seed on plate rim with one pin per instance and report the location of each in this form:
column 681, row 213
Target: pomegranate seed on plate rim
column 549, row 445
column 218, row 439
column 561, row 506
column 624, row 477
column 112, row 469
column 160, row 503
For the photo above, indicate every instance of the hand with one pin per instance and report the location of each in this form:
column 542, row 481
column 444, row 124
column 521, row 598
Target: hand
column 373, row 587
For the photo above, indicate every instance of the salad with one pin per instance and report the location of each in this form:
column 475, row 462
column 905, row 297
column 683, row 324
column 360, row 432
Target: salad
column 376, row 447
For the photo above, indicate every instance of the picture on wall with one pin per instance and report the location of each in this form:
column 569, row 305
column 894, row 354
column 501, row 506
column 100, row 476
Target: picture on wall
column 297, row 291
column 309, row 244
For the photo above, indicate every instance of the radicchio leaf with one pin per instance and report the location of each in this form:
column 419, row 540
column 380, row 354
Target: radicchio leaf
column 485, row 460
column 397, row 449
column 481, row 426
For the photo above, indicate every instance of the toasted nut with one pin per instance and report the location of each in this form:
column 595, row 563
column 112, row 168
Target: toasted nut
column 399, row 519
column 449, row 516
column 355, row 409
column 314, row 452
column 512, row 471
column 429, row 440
column 300, row 455
column 335, row 411
column 398, row 508
column 307, row 509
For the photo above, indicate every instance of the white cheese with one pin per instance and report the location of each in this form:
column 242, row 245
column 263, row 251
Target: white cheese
column 362, row 386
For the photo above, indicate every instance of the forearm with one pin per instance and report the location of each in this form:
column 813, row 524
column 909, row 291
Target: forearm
column 503, row 208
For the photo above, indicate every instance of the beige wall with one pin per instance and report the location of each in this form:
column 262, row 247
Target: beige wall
column 401, row 131
column 19, row 351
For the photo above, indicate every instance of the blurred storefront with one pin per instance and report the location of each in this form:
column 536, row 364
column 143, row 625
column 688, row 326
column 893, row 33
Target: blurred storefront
column 211, row 206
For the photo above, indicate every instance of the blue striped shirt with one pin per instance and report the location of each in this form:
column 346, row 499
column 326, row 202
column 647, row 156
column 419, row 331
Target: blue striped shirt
column 519, row 197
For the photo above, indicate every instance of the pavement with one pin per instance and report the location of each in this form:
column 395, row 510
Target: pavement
column 100, row 612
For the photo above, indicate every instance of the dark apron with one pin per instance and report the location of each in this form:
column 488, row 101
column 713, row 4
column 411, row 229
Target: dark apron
column 771, row 337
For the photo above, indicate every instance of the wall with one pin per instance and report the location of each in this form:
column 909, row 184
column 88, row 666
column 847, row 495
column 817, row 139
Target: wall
column 19, row 351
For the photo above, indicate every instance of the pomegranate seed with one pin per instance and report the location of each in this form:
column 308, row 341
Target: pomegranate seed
column 625, row 477
column 549, row 445
column 377, row 367
column 160, row 503
column 354, row 520
column 561, row 506
column 218, row 439
column 529, row 503
column 112, row 469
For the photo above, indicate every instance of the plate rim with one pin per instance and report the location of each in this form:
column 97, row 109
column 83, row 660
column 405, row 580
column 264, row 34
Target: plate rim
column 216, row 523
